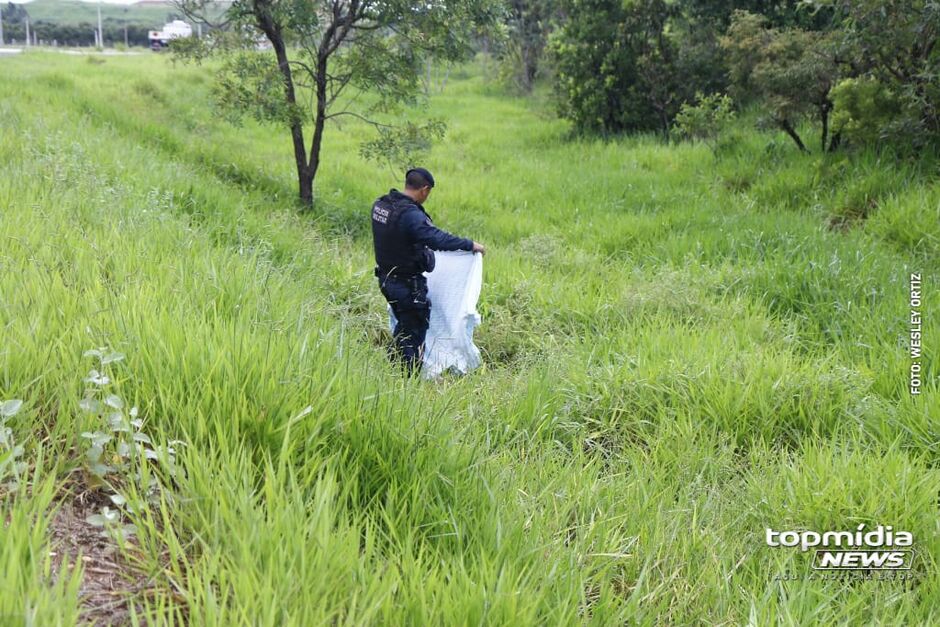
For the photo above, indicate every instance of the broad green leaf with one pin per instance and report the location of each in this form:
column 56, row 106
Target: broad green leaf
column 113, row 400
column 111, row 358
column 10, row 408
column 90, row 405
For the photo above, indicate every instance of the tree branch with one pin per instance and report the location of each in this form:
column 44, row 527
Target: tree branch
column 359, row 117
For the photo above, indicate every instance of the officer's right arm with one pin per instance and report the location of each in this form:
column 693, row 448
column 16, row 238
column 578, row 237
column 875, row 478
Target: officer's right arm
column 421, row 231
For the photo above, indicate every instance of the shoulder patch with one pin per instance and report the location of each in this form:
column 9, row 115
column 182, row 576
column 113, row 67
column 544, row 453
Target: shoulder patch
column 380, row 214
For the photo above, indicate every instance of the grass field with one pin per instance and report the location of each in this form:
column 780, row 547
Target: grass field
column 681, row 351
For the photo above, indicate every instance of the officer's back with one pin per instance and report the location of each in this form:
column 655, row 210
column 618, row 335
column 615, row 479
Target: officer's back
column 404, row 238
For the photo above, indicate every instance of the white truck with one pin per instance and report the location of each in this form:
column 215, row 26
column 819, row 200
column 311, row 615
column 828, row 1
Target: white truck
column 171, row 30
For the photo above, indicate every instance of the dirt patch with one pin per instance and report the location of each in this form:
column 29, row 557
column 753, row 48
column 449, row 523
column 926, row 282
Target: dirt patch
column 109, row 582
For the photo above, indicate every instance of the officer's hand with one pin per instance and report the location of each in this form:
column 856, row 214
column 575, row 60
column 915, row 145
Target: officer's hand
column 478, row 248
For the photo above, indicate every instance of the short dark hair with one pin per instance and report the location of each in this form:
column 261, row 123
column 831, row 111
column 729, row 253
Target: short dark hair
column 416, row 178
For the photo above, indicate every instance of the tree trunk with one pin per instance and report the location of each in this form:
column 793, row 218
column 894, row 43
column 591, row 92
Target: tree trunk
column 530, row 68
column 835, row 142
column 318, row 124
column 824, row 118
column 446, row 76
column 427, row 82
column 486, row 55
column 305, row 182
column 788, row 128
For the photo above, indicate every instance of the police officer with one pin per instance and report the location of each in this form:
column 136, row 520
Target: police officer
column 404, row 238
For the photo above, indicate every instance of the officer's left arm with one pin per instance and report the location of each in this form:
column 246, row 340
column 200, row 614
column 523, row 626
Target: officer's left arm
column 421, row 230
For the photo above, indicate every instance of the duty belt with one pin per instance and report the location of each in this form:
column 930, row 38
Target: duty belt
column 395, row 273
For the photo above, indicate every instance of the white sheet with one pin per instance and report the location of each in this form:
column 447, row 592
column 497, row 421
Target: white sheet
column 453, row 289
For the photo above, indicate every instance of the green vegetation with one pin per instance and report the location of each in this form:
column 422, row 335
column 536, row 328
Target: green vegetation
column 681, row 350
column 361, row 60
column 704, row 121
column 630, row 65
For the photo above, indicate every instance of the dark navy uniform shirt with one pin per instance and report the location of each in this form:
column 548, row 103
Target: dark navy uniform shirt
column 402, row 231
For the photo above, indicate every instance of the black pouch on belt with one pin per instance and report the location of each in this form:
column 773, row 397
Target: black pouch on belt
column 427, row 260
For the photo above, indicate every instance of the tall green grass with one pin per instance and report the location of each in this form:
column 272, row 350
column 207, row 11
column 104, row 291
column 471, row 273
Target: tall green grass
column 680, row 351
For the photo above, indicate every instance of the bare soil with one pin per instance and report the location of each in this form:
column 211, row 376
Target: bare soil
column 109, row 582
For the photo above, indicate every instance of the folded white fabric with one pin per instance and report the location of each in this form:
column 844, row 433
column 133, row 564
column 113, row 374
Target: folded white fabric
column 453, row 289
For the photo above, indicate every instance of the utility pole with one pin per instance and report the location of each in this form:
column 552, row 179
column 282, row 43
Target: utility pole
column 2, row 43
column 27, row 33
column 100, row 32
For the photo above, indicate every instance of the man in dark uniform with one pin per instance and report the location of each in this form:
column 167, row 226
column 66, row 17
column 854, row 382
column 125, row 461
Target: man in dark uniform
column 404, row 238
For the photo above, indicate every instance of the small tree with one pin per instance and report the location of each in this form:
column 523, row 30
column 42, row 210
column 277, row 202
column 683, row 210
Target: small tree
column 331, row 58
column 705, row 120
column 866, row 110
column 791, row 71
column 617, row 66
column 897, row 44
column 629, row 65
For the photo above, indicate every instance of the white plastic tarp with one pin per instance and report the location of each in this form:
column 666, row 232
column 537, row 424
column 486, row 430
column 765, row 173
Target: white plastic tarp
column 453, row 289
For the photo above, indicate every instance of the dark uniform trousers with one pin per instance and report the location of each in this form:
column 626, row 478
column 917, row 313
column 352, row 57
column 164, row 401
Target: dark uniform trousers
column 408, row 297
column 404, row 239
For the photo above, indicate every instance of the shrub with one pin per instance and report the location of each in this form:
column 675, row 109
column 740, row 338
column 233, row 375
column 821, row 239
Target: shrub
column 705, row 120
column 865, row 109
column 616, row 70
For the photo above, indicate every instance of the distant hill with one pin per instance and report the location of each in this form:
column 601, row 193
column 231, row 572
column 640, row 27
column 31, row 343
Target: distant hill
column 152, row 12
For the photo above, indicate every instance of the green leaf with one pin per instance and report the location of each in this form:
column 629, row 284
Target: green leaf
column 94, row 454
column 119, row 423
column 96, row 519
column 114, row 401
column 127, row 531
column 100, row 470
column 112, row 358
column 90, row 405
column 10, row 408
column 97, row 378
column 97, row 438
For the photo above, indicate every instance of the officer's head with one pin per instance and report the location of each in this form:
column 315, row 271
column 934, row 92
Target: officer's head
column 418, row 184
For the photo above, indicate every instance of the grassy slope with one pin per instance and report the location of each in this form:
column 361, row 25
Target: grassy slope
column 679, row 354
